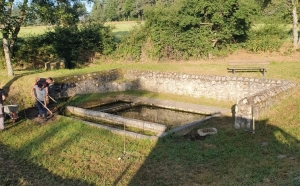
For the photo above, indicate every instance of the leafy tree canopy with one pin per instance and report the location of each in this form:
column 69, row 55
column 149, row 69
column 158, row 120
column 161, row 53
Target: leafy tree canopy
column 14, row 13
column 188, row 28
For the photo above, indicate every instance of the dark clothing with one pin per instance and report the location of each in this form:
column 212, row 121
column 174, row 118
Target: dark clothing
column 1, row 93
column 1, row 110
column 43, row 82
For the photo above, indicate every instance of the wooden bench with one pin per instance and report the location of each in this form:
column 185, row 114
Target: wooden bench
column 248, row 67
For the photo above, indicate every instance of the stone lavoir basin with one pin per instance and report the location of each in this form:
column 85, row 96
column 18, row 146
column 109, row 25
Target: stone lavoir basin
column 159, row 117
column 253, row 96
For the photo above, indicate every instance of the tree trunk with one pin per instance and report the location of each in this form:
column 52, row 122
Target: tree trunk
column 6, row 49
column 295, row 24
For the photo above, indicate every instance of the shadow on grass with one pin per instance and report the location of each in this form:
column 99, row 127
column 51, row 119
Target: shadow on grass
column 14, row 171
column 120, row 34
column 6, row 87
column 17, row 169
column 231, row 157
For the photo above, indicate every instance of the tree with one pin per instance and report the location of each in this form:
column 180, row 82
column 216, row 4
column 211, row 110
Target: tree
column 196, row 28
column 54, row 12
column 97, row 13
column 296, row 41
column 139, row 6
column 119, row 10
column 281, row 12
column 128, row 8
column 110, row 11
column 10, row 26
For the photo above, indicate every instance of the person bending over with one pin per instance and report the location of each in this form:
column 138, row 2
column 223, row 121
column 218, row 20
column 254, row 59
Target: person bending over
column 40, row 95
column 46, row 82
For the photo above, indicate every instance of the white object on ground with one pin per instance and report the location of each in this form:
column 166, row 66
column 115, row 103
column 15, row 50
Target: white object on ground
column 207, row 131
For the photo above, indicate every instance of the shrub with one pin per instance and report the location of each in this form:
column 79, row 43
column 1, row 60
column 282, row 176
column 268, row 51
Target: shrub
column 130, row 47
column 76, row 46
column 269, row 37
column 190, row 29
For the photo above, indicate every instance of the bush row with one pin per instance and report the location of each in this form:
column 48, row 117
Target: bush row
column 79, row 45
column 194, row 29
column 76, row 45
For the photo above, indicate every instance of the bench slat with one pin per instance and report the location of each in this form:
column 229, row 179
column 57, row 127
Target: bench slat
column 241, row 68
column 247, row 67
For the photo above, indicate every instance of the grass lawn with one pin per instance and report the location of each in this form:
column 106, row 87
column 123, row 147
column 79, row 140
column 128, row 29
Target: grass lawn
column 64, row 152
column 32, row 30
column 119, row 28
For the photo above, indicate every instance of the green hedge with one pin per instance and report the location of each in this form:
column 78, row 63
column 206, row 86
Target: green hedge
column 76, row 45
column 269, row 37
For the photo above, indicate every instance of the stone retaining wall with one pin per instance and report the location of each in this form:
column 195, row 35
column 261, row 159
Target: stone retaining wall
column 103, row 81
column 250, row 108
column 217, row 87
column 253, row 96
column 56, row 64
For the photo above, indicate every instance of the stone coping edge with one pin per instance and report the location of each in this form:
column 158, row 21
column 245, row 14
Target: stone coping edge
column 150, row 126
column 118, row 131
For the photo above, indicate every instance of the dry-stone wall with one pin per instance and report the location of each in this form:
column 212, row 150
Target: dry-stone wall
column 217, row 87
column 253, row 106
column 103, row 81
column 253, row 96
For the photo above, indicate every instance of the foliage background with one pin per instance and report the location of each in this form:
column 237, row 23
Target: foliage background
column 170, row 30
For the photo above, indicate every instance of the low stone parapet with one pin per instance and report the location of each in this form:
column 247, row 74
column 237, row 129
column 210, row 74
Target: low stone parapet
column 58, row 64
column 252, row 107
column 253, row 96
column 148, row 126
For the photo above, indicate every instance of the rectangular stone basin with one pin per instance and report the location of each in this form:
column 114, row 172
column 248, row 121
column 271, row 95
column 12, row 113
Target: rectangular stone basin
column 159, row 116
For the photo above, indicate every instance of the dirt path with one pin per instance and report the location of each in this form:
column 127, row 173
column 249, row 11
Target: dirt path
column 244, row 56
column 32, row 114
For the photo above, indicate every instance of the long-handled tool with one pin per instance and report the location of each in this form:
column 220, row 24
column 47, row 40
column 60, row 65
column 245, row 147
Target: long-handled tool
column 124, row 152
column 52, row 99
column 44, row 105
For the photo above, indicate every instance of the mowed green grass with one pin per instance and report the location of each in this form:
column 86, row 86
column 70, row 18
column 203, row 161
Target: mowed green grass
column 33, row 30
column 123, row 26
column 118, row 27
column 65, row 152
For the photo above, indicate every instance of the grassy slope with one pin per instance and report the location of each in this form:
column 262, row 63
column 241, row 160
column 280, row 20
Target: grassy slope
column 61, row 152
column 65, row 152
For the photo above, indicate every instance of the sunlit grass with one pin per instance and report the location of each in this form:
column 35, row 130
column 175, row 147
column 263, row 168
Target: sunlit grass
column 84, row 155
column 67, row 152
column 123, row 26
column 71, row 149
column 33, row 30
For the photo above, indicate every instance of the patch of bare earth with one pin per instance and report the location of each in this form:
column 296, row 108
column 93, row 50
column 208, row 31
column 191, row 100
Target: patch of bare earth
column 32, row 114
column 244, row 56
